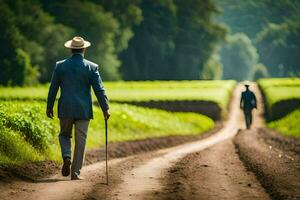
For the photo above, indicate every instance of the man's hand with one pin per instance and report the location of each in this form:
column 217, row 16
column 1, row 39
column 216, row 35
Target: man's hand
column 106, row 115
column 49, row 113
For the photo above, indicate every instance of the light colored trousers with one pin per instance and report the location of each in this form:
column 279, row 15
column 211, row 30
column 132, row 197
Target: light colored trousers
column 65, row 136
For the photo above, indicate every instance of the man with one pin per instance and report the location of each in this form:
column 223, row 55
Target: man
column 248, row 102
column 75, row 76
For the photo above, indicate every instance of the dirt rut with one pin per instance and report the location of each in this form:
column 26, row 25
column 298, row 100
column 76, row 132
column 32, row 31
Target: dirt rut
column 214, row 173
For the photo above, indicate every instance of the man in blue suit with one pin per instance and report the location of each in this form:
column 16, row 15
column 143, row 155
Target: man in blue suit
column 75, row 76
column 248, row 103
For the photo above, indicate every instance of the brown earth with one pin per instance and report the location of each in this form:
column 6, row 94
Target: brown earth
column 208, row 108
column 214, row 173
column 274, row 159
column 38, row 170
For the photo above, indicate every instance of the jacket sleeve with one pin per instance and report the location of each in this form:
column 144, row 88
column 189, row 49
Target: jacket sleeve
column 54, row 86
column 255, row 101
column 99, row 89
column 242, row 101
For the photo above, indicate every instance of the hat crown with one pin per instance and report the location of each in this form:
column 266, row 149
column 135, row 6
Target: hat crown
column 77, row 42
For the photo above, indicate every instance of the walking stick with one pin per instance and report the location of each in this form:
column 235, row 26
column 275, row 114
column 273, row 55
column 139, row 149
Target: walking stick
column 106, row 165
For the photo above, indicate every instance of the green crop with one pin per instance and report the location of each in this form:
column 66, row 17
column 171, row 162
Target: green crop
column 28, row 135
column 27, row 119
column 215, row 91
column 279, row 89
column 282, row 96
column 288, row 125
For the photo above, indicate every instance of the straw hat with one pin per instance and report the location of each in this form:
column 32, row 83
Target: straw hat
column 77, row 43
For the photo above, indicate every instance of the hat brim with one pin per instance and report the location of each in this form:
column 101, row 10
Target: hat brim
column 68, row 45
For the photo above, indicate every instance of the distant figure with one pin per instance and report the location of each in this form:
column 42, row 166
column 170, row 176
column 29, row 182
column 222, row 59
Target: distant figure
column 248, row 102
column 75, row 76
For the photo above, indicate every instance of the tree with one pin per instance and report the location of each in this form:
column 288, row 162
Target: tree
column 279, row 47
column 10, row 39
column 128, row 13
column 259, row 71
column 213, row 68
column 196, row 37
column 149, row 52
column 238, row 56
column 42, row 37
column 28, row 75
column 173, row 42
column 251, row 16
column 92, row 22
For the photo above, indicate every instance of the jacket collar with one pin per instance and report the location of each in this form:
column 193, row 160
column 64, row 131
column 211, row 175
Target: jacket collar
column 77, row 55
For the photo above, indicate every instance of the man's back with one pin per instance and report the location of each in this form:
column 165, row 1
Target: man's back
column 75, row 76
column 248, row 99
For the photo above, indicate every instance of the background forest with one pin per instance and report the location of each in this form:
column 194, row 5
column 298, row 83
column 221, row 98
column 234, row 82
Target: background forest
column 152, row 39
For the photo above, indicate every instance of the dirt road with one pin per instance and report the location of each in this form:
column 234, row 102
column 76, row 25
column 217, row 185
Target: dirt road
column 204, row 169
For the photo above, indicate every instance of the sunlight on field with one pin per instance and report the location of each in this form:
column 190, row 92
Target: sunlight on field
column 277, row 91
column 25, row 127
column 289, row 125
column 216, row 91
column 26, row 133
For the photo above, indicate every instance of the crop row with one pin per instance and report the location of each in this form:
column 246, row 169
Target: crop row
column 26, row 134
column 282, row 97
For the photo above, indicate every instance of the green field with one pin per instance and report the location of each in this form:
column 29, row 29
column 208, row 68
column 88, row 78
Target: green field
column 216, row 91
column 26, row 134
column 282, row 97
column 279, row 89
column 288, row 125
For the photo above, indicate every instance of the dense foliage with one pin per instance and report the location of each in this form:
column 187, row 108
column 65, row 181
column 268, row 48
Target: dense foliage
column 279, row 48
column 273, row 27
column 238, row 55
column 173, row 42
column 131, row 39
column 251, row 16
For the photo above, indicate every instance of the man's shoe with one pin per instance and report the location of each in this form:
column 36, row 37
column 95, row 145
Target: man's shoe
column 75, row 177
column 65, row 171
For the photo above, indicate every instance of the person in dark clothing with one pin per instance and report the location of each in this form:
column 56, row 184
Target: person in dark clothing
column 248, row 103
column 75, row 76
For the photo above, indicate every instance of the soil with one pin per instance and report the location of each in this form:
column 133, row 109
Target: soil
column 221, row 176
column 229, row 164
column 34, row 171
column 274, row 159
column 208, row 108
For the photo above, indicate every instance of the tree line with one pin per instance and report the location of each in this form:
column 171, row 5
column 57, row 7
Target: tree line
column 265, row 36
column 152, row 39
column 131, row 39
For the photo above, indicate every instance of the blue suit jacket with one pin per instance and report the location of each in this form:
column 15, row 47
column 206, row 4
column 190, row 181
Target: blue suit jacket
column 248, row 100
column 75, row 76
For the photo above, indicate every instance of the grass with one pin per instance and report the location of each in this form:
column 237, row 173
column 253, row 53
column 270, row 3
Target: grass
column 283, row 96
column 289, row 125
column 215, row 91
column 279, row 89
column 127, row 122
